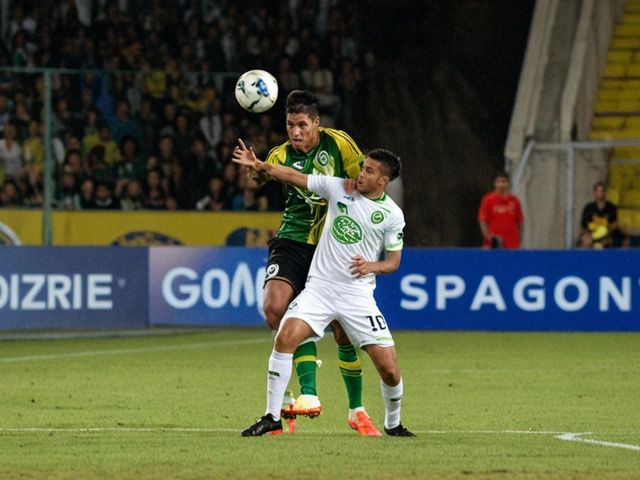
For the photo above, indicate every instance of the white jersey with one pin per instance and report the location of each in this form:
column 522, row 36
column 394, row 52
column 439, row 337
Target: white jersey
column 355, row 225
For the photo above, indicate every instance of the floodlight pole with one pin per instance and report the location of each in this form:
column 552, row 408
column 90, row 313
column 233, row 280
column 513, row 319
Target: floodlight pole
column 48, row 162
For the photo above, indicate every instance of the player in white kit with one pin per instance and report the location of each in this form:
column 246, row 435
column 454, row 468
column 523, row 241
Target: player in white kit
column 341, row 282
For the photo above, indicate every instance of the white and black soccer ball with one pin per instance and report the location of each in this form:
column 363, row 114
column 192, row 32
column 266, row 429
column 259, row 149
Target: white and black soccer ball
column 257, row 91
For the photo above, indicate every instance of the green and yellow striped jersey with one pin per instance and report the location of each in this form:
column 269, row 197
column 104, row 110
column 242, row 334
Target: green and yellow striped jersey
column 336, row 155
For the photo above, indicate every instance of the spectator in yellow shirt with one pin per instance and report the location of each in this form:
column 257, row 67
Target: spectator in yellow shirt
column 33, row 149
column 103, row 138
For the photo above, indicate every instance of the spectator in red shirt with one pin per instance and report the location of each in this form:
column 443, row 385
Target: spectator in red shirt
column 500, row 216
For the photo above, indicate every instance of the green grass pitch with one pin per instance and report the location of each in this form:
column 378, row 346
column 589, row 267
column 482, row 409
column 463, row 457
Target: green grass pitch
column 483, row 406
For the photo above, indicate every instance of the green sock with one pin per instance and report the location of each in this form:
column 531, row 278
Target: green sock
column 304, row 359
column 351, row 369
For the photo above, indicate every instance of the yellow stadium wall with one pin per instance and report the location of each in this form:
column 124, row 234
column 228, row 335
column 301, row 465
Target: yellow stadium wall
column 145, row 227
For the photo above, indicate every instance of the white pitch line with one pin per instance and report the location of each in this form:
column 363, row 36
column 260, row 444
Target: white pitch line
column 569, row 436
column 91, row 353
column 575, row 437
column 116, row 429
column 314, row 431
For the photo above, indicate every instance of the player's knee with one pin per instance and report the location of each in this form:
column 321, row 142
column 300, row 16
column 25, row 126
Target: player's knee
column 390, row 374
column 391, row 379
column 286, row 341
column 273, row 314
column 272, row 321
column 281, row 343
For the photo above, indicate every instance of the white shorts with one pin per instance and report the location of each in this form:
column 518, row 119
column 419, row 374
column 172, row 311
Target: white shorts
column 322, row 302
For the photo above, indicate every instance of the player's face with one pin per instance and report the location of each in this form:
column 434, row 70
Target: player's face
column 302, row 131
column 370, row 182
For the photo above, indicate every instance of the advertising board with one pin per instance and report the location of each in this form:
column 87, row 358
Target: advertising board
column 73, row 287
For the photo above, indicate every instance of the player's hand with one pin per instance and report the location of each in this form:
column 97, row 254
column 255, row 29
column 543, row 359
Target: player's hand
column 245, row 156
column 360, row 266
column 349, row 185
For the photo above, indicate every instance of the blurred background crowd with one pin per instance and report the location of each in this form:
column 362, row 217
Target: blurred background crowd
column 143, row 108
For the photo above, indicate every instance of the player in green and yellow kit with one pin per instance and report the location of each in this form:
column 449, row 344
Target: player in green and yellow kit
column 311, row 149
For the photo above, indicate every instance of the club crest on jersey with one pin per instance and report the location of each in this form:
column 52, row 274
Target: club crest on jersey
column 272, row 270
column 377, row 217
column 346, row 230
column 322, row 159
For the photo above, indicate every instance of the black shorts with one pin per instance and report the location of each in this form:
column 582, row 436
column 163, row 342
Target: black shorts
column 289, row 261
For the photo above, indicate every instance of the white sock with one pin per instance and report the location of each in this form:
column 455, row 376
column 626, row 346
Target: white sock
column 392, row 397
column 353, row 411
column 280, row 367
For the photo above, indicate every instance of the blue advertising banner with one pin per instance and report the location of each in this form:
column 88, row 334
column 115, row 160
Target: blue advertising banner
column 114, row 287
column 71, row 287
column 432, row 290
column 206, row 286
column 575, row 290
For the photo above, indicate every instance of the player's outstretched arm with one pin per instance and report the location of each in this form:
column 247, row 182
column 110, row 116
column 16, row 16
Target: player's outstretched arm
column 247, row 158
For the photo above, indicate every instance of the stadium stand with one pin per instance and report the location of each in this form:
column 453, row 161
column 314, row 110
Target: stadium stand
column 155, row 70
column 617, row 116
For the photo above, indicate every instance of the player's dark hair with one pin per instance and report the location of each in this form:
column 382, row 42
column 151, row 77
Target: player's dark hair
column 302, row 101
column 390, row 164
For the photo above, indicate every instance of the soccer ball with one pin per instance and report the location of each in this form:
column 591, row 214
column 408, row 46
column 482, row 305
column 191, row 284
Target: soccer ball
column 257, row 91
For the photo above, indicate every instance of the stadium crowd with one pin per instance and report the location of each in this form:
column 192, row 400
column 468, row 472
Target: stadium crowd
column 144, row 114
